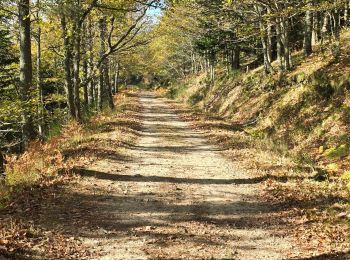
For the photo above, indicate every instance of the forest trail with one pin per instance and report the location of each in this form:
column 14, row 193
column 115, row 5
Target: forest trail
column 180, row 198
column 173, row 196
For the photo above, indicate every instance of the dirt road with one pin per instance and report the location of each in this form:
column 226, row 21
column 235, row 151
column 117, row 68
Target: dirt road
column 178, row 197
column 172, row 195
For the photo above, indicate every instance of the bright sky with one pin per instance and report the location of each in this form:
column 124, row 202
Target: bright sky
column 155, row 12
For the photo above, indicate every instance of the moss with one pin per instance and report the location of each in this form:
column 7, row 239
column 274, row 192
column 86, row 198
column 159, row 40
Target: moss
column 337, row 152
column 346, row 176
column 301, row 77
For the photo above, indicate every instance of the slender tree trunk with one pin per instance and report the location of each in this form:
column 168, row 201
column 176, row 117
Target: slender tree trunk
column 108, row 85
column 26, row 70
column 67, row 67
column 269, row 38
column 85, row 68
column 346, row 12
column 116, row 80
column 91, row 86
column 279, row 45
column 41, row 120
column 2, row 163
column 336, row 24
column 336, row 33
column 76, row 71
column 103, row 89
column 315, row 28
column 325, row 26
column 236, row 58
column 308, row 33
column 285, row 39
column 264, row 42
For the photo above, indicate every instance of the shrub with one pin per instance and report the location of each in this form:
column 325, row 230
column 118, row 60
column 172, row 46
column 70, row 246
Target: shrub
column 41, row 160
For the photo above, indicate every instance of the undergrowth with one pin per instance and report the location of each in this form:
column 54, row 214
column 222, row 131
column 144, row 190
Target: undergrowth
column 44, row 162
column 290, row 130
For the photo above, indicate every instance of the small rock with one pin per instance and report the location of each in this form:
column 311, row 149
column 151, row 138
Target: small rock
column 342, row 215
column 149, row 228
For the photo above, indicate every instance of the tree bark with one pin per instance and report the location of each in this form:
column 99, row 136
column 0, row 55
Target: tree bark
column 67, row 67
column 235, row 63
column 346, row 13
column 91, row 86
column 264, row 41
column 315, row 28
column 308, row 33
column 285, row 41
column 325, row 26
column 76, row 68
column 26, row 69
column 279, row 45
column 85, row 67
column 38, row 78
column 116, row 79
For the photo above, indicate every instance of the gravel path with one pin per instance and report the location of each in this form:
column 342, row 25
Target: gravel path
column 178, row 197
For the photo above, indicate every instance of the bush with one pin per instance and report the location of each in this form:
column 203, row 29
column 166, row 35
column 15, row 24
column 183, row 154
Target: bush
column 41, row 160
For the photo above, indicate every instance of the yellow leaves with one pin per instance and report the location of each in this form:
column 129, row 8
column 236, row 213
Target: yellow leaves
column 333, row 168
column 337, row 152
column 346, row 178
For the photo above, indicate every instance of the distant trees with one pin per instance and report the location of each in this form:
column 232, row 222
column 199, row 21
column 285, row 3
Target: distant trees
column 245, row 34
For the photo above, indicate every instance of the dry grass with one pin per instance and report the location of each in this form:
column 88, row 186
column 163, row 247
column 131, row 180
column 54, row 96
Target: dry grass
column 315, row 213
column 302, row 130
column 39, row 175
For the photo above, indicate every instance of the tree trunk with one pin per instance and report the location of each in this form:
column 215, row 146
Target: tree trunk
column 85, row 68
column 325, row 26
column 26, row 70
column 336, row 24
column 308, row 33
column 346, row 13
column 2, row 163
column 76, row 71
column 67, row 67
column 91, row 86
column 264, row 42
column 116, row 80
column 235, row 63
column 279, row 45
column 104, row 86
column 285, row 40
column 108, row 85
column 41, row 120
column 315, row 28
column 269, row 38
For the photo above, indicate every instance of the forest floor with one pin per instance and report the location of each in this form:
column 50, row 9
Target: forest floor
column 167, row 193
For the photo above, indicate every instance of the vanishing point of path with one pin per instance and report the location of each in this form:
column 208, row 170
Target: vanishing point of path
column 175, row 197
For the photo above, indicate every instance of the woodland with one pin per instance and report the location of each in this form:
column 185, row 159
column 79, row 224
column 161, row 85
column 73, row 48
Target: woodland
column 96, row 93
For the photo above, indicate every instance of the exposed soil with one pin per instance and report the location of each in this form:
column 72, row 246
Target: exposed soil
column 174, row 196
column 169, row 195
